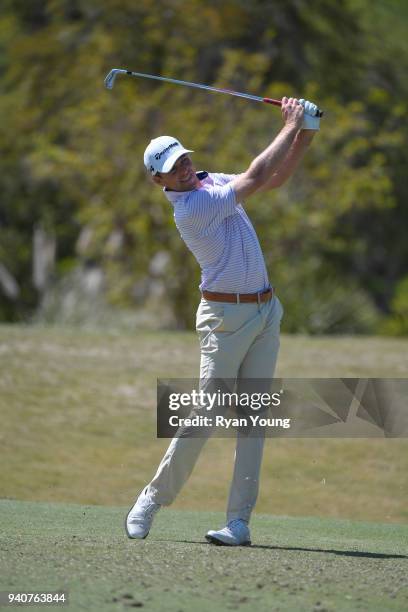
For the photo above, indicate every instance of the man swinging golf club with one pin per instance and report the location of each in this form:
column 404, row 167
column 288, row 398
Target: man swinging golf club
column 238, row 318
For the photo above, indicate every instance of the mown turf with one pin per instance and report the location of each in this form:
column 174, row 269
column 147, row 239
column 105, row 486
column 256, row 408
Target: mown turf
column 78, row 425
column 295, row 564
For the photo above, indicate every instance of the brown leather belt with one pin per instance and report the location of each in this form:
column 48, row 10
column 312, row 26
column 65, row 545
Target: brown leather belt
column 239, row 298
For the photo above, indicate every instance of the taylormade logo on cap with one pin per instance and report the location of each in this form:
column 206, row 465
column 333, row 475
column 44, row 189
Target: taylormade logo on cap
column 162, row 153
column 173, row 144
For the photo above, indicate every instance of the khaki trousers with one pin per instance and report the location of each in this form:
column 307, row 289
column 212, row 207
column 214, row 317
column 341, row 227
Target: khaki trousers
column 236, row 341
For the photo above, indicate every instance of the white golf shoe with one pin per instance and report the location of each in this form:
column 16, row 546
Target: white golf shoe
column 140, row 517
column 236, row 533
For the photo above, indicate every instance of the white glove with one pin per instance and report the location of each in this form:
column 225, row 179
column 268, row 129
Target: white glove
column 310, row 121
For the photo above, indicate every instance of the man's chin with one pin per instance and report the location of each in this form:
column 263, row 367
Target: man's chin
column 189, row 184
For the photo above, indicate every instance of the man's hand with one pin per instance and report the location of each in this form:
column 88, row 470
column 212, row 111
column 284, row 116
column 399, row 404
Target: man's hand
column 292, row 112
column 310, row 121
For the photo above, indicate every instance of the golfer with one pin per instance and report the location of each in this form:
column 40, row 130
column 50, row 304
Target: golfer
column 238, row 318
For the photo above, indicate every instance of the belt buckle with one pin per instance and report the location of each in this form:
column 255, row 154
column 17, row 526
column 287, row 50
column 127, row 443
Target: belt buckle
column 237, row 300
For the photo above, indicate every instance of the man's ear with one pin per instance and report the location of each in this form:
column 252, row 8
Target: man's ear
column 157, row 179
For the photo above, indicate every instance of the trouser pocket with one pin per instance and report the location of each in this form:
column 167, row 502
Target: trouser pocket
column 209, row 319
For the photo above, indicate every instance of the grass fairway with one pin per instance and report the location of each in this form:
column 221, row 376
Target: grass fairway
column 294, row 564
column 77, row 442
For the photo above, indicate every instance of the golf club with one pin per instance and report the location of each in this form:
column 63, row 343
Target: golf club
column 110, row 80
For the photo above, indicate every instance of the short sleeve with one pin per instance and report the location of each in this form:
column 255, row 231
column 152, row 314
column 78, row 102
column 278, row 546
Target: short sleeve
column 209, row 206
column 223, row 179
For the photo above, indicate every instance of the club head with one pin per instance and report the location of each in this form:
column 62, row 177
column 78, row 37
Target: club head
column 110, row 78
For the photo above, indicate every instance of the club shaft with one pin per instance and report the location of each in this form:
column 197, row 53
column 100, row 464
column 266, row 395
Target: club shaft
column 110, row 77
column 206, row 87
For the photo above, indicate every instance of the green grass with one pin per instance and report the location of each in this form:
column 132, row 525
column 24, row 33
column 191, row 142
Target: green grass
column 295, row 564
column 77, row 442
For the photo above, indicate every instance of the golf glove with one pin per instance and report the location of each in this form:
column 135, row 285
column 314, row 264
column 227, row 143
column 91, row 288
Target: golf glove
column 310, row 121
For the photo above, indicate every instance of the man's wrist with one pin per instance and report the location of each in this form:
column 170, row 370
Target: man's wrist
column 305, row 137
column 290, row 128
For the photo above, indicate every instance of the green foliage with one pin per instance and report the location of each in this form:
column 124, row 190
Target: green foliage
column 71, row 151
column 397, row 323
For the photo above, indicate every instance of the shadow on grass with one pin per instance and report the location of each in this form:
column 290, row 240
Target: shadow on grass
column 345, row 553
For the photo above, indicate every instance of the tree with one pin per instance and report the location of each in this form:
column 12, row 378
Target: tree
column 75, row 168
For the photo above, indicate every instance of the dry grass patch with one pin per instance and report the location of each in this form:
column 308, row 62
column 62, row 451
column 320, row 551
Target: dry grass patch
column 79, row 423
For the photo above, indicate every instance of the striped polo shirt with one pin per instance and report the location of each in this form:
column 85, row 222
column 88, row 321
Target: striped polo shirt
column 220, row 235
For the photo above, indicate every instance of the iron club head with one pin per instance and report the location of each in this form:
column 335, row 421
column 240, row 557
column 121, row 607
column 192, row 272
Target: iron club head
column 110, row 78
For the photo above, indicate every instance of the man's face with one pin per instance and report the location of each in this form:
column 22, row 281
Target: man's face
column 182, row 177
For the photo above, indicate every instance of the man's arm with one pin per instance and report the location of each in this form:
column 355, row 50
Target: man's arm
column 263, row 167
column 296, row 152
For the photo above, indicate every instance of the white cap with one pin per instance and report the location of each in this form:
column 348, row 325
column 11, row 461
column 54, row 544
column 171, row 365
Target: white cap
column 162, row 153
